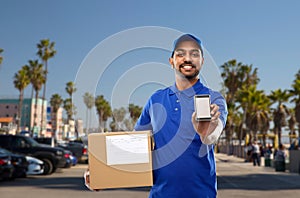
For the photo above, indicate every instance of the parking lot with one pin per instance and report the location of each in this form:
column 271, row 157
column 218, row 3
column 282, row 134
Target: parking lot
column 235, row 179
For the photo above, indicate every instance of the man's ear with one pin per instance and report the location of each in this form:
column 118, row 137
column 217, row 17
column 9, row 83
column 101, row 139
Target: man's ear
column 171, row 62
column 202, row 61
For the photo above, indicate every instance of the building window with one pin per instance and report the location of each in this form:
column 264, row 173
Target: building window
column 16, row 107
column 7, row 106
column 7, row 115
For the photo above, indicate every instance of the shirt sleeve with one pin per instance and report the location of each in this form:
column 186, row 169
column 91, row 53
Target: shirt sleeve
column 219, row 100
column 214, row 136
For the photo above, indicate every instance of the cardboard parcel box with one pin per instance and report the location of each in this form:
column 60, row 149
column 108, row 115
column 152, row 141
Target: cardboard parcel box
column 120, row 159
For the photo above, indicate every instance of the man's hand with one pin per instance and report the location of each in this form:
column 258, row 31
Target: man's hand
column 205, row 128
column 86, row 177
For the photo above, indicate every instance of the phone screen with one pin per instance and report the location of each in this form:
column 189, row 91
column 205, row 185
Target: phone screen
column 202, row 107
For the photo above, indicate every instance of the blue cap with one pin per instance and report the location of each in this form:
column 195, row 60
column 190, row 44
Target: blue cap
column 187, row 37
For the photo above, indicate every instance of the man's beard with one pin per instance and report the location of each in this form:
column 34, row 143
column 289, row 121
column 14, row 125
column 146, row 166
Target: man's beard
column 190, row 76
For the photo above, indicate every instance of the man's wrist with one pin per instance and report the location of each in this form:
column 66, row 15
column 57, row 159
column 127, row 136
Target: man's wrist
column 213, row 134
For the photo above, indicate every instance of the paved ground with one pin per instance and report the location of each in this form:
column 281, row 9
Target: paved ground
column 239, row 179
column 235, row 179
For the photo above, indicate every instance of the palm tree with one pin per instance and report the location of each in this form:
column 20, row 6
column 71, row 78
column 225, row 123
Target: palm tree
column 1, row 57
column 69, row 108
column 234, row 122
column 295, row 92
column 21, row 81
column 107, row 114
column 279, row 114
column 237, row 76
column 113, row 125
column 45, row 52
column 89, row 101
column 128, row 124
column 56, row 101
column 135, row 112
column 37, row 79
column 119, row 115
column 259, row 114
column 242, row 98
column 292, row 123
column 103, row 110
column 70, row 89
column 255, row 105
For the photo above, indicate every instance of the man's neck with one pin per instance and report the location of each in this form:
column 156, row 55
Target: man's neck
column 183, row 83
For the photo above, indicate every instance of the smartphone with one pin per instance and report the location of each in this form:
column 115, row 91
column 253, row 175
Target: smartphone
column 202, row 107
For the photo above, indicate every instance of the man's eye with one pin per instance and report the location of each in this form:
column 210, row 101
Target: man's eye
column 180, row 55
column 195, row 54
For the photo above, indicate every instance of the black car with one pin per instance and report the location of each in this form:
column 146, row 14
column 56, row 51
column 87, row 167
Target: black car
column 53, row 157
column 18, row 161
column 6, row 168
column 78, row 149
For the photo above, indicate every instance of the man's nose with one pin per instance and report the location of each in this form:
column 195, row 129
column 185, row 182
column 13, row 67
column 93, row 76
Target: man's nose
column 187, row 57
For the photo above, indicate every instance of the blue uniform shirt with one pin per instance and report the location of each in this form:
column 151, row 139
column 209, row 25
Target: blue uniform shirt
column 182, row 165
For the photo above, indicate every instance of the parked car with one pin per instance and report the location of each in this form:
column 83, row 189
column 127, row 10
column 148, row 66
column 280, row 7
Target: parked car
column 79, row 150
column 53, row 157
column 18, row 161
column 35, row 166
column 6, row 168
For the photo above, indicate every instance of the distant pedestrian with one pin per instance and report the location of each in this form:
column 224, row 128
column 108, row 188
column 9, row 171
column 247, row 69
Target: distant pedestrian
column 280, row 158
column 248, row 151
column 280, row 154
column 255, row 154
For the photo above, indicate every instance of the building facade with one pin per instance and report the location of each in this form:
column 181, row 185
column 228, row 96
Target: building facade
column 10, row 108
column 53, row 125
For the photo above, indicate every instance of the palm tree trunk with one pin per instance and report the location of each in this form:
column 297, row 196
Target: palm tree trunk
column 32, row 90
column 243, row 123
column 90, row 118
column 101, row 121
column 42, row 116
column 279, row 135
column 54, row 125
column 44, row 96
column 35, row 110
column 20, row 111
column 86, row 121
column 105, row 125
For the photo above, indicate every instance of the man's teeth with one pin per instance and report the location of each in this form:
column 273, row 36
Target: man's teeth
column 187, row 67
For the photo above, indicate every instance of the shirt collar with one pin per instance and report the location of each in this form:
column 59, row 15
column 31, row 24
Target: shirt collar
column 190, row 92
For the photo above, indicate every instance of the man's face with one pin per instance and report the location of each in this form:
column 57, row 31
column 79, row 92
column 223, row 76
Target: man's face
column 187, row 60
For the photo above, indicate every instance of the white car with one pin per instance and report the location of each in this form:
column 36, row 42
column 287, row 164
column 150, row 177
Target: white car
column 35, row 166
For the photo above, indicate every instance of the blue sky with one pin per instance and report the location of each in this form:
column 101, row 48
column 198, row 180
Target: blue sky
column 262, row 33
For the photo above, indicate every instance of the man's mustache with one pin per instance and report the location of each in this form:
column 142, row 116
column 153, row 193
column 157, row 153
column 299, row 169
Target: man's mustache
column 187, row 63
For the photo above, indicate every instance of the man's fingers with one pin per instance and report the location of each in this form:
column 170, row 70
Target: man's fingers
column 214, row 109
column 87, row 179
